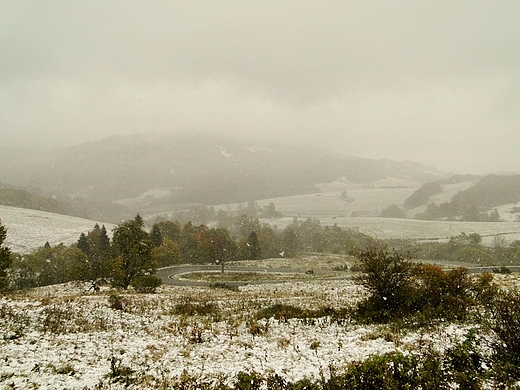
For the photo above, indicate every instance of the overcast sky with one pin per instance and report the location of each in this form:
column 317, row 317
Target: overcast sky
column 436, row 82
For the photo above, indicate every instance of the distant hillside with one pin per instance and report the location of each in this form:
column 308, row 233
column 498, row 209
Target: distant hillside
column 491, row 191
column 424, row 194
column 34, row 199
column 154, row 172
column 476, row 200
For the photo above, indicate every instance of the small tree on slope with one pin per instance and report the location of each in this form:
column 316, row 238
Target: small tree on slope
column 5, row 259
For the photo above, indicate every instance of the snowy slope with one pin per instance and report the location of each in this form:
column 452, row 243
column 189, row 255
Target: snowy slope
column 30, row 229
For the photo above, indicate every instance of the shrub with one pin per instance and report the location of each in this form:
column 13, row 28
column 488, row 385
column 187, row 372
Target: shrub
column 54, row 319
column 388, row 277
column 248, row 381
column 189, row 308
column 442, row 294
column 281, row 312
column 226, row 286
column 116, row 302
column 121, row 373
column 146, row 284
column 389, row 371
column 502, row 270
column 464, row 363
column 285, row 312
column 401, row 290
column 506, row 326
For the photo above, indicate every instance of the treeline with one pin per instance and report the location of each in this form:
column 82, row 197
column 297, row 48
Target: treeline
column 206, row 214
column 134, row 253
column 464, row 248
column 459, row 209
column 31, row 199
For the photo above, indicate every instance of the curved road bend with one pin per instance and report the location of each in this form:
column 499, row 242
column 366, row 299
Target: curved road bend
column 166, row 274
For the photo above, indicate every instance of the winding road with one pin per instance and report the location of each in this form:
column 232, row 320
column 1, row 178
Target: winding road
column 169, row 275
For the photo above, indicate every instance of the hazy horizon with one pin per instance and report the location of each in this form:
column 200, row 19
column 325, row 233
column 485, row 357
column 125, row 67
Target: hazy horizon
column 432, row 82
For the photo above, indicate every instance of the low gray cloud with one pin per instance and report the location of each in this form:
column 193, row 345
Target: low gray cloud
column 434, row 81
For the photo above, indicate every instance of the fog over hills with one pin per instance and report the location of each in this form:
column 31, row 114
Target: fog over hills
column 171, row 169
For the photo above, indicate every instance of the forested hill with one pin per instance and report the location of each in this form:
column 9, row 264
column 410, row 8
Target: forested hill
column 491, row 191
column 423, row 195
column 35, row 199
column 476, row 202
column 172, row 169
column 32, row 199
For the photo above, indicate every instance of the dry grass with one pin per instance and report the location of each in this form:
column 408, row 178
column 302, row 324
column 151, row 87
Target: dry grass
column 58, row 337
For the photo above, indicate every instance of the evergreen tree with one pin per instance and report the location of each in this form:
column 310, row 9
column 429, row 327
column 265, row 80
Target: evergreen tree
column 291, row 243
column 134, row 253
column 104, row 241
column 139, row 220
column 96, row 245
column 156, row 236
column 5, row 259
column 251, row 249
column 82, row 243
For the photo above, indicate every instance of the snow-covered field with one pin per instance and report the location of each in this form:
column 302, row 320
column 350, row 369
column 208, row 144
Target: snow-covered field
column 57, row 337
column 367, row 202
column 28, row 230
column 413, row 229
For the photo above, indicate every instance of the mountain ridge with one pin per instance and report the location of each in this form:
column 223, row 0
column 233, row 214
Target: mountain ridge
column 196, row 168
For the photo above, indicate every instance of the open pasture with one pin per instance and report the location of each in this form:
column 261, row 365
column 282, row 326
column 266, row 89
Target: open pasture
column 366, row 202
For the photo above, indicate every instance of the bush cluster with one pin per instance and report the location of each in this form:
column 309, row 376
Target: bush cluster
column 400, row 289
column 284, row 312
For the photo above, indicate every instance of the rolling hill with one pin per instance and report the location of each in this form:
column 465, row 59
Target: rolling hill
column 28, row 230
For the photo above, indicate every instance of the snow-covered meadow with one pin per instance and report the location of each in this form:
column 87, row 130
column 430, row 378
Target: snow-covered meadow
column 28, row 230
column 61, row 337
